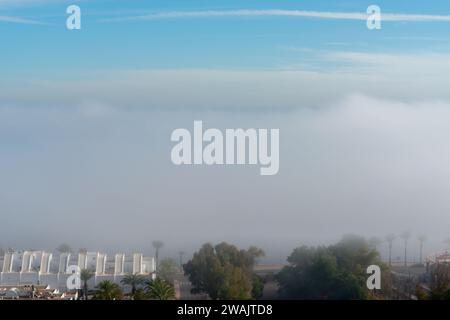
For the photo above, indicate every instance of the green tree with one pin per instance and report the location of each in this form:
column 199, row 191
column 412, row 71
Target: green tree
column 85, row 275
column 257, row 286
column 160, row 290
column 333, row 272
column 223, row 271
column 354, row 254
column 140, row 294
column 134, row 281
column 108, row 290
column 168, row 269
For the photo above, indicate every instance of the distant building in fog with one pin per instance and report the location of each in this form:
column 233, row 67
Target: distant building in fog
column 48, row 269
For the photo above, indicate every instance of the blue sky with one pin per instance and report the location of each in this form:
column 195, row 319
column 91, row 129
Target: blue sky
column 86, row 118
column 242, row 42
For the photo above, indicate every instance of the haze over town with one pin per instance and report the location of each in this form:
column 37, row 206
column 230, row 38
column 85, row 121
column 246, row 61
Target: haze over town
column 85, row 128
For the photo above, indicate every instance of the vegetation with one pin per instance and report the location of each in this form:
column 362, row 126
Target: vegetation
column 223, row 271
column 133, row 281
column 108, row 290
column 257, row 286
column 140, row 294
column 333, row 272
column 337, row 271
column 439, row 284
column 168, row 269
column 160, row 289
column 85, row 275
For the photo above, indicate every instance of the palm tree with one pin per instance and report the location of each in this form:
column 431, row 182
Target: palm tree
column 85, row 275
column 157, row 245
column 422, row 238
column 160, row 290
column 133, row 280
column 108, row 290
column 390, row 240
column 405, row 236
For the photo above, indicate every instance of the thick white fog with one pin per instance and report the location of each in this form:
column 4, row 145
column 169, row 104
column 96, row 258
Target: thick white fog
column 362, row 151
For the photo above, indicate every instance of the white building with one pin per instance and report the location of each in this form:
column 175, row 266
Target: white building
column 40, row 267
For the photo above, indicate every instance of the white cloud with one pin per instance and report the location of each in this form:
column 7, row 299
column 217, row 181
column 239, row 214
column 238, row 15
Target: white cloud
column 18, row 20
column 361, row 164
column 284, row 13
column 21, row 3
column 394, row 76
column 408, row 67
